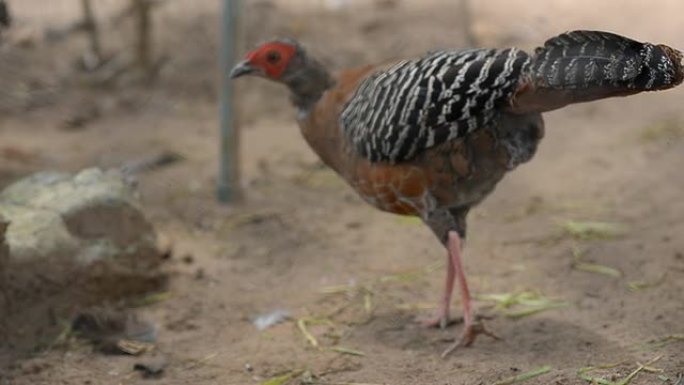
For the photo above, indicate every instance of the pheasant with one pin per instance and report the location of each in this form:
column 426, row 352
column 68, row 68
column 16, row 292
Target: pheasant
column 432, row 136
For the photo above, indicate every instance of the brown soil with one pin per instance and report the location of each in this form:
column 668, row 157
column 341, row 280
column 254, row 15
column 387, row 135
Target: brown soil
column 301, row 229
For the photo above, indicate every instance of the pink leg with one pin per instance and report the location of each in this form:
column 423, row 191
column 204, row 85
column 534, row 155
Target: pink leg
column 470, row 329
column 442, row 319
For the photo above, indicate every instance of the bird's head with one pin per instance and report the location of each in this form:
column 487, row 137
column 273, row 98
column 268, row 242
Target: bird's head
column 272, row 60
column 285, row 61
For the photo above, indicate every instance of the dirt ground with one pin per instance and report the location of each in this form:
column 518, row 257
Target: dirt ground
column 303, row 242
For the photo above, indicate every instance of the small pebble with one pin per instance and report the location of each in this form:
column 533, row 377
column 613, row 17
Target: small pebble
column 152, row 367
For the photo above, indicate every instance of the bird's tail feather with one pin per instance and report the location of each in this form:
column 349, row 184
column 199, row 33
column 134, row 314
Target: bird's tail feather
column 581, row 66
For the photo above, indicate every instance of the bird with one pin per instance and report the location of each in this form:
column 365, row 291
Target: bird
column 431, row 136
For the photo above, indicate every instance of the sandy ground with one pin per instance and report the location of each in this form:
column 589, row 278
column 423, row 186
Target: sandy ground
column 300, row 230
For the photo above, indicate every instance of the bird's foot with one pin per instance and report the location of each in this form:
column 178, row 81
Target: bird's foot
column 469, row 335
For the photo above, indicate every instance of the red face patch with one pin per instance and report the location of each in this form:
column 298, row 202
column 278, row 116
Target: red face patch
column 272, row 58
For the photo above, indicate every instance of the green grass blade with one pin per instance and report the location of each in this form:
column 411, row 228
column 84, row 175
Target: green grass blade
column 592, row 230
column 351, row 352
column 301, row 325
column 279, row 380
column 597, row 269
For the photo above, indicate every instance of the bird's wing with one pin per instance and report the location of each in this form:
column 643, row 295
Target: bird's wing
column 397, row 113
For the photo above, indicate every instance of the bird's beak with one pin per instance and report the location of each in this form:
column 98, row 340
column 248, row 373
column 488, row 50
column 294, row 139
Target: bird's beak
column 242, row 68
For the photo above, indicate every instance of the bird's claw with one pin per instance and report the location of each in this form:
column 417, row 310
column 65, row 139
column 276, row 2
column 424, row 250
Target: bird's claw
column 469, row 335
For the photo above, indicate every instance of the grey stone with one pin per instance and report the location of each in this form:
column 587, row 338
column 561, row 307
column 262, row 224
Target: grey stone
column 25, row 190
column 88, row 218
column 70, row 242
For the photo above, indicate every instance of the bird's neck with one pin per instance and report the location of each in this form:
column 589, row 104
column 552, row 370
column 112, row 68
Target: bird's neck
column 308, row 84
column 319, row 122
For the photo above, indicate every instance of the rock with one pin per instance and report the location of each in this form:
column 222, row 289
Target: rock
column 152, row 367
column 89, row 218
column 73, row 241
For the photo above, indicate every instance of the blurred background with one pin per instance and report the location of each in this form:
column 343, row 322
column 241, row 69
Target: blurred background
column 136, row 85
column 65, row 71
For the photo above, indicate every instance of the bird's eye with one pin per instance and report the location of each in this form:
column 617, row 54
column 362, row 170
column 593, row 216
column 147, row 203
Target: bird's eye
column 273, row 57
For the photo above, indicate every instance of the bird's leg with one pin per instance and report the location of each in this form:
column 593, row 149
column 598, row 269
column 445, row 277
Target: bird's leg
column 471, row 329
column 442, row 319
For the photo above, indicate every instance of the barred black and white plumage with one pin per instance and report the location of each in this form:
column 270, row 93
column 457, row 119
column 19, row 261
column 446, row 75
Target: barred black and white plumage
column 416, row 104
column 584, row 59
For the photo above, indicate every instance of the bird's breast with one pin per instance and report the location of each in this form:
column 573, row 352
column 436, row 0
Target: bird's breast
column 403, row 189
column 457, row 173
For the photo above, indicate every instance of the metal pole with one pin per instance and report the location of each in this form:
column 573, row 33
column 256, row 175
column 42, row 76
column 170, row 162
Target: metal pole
column 229, row 170
column 90, row 25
